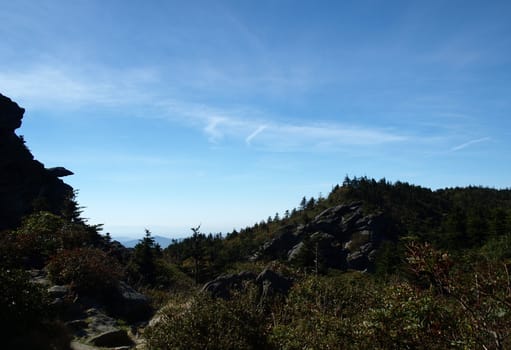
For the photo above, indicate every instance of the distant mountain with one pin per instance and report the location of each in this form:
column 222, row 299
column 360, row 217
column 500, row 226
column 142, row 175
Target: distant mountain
column 164, row 242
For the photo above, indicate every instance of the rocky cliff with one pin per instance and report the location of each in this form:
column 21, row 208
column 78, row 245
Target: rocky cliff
column 339, row 237
column 25, row 184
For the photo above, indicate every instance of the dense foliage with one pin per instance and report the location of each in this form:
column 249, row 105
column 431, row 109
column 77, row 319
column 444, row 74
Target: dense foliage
column 441, row 277
column 456, row 219
column 86, row 270
column 441, row 281
column 443, row 303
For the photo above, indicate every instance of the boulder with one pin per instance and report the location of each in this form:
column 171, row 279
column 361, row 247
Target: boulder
column 340, row 236
column 222, row 286
column 131, row 305
column 271, row 282
column 295, row 252
column 286, row 238
column 58, row 291
column 357, row 261
column 112, row 339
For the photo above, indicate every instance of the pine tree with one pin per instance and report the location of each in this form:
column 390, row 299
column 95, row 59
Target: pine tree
column 303, row 203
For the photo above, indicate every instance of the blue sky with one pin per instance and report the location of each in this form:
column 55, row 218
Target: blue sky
column 222, row 113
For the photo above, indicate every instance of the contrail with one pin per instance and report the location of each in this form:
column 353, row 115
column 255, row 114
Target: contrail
column 254, row 134
column 466, row 144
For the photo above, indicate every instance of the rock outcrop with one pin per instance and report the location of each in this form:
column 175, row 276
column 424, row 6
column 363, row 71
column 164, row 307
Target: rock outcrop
column 268, row 283
column 222, row 286
column 339, row 237
column 25, row 184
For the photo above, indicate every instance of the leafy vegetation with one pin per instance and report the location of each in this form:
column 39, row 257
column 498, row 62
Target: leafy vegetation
column 440, row 282
column 87, row 270
column 441, row 279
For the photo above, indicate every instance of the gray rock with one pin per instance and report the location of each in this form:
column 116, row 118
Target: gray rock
column 222, row 286
column 295, row 252
column 58, row 291
column 372, row 255
column 357, row 261
column 131, row 305
column 75, row 345
column 112, row 339
column 271, row 282
column 98, row 322
column 279, row 246
column 340, row 236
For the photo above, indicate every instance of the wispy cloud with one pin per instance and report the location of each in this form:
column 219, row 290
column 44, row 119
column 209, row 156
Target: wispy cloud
column 140, row 89
column 212, row 128
column 58, row 87
column 469, row 143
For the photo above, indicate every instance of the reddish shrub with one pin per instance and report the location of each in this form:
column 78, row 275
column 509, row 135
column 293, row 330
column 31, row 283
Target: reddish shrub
column 87, row 270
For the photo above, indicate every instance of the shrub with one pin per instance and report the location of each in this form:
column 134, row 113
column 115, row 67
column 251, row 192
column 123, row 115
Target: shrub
column 322, row 312
column 42, row 234
column 26, row 320
column 38, row 237
column 21, row 302
column 208, row 323
column 87, row 270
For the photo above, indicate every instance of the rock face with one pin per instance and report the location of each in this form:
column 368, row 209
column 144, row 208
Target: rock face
column 222, row 286
column 25, row 184
column 339, row 237
column 268, row 282
column 131, row 305
column 112, row 339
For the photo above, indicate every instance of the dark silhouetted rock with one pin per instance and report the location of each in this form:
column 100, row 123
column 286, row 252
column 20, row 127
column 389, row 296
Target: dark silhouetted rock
column 112, row 339
column 59, row 171
column 25, row 185
column 10, row 114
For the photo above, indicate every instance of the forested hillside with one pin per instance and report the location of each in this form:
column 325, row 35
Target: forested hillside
column 456, row 219
column 440, row 277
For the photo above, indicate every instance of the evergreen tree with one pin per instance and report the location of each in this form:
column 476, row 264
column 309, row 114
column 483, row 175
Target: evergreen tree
column 197, row 251
column 144, row 258
column 303, row 203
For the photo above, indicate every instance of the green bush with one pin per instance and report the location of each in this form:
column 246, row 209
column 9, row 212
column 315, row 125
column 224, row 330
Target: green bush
column 21, row 302
column 42, row 234
column 26, row 319
column 207, row 323
column 87, row 270
column 321, row 312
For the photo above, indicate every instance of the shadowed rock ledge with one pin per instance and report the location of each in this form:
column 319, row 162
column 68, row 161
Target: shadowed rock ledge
column 25, row 184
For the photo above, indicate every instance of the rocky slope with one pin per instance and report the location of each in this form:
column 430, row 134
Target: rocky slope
column 339, row 237
column 25, row 184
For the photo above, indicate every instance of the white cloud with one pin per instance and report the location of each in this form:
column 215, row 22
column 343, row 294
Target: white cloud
column 56, row 87
column 51, row 88
column 212, row 128
column 469, row 143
